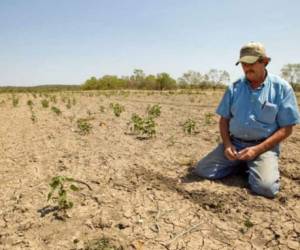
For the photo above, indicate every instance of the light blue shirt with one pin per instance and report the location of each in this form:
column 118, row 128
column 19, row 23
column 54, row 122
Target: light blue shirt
column 257, row 113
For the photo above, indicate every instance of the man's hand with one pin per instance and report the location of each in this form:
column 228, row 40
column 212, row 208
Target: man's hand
column 231, row 153
column 248, row 154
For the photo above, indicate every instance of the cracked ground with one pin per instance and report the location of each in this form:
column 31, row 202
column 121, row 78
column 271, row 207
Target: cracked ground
column 135, row 192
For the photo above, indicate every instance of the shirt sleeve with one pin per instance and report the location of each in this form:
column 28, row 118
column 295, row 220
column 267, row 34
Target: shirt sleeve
column 225, row 105
column 288, row 113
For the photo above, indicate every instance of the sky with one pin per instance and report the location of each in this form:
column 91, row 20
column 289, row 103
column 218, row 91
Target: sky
column 68, row 41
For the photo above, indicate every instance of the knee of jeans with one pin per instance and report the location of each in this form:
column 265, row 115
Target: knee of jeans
column 201, row 170
column 265, row 188
column 210, row 171
column 204, row 171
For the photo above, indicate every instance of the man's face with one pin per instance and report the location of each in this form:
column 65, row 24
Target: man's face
column 254, row 72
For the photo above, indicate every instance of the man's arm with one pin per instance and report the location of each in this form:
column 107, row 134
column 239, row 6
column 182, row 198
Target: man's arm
column 251, row 152
column 229, row 150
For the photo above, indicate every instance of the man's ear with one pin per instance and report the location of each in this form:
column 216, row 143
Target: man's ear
column 266, row 60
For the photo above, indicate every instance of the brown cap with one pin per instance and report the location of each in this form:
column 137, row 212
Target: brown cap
column 251, row 52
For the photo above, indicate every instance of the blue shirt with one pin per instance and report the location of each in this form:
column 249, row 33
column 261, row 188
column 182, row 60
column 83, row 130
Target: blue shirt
column 257, row 113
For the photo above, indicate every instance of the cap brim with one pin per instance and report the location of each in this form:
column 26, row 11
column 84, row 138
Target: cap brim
column 248, row 59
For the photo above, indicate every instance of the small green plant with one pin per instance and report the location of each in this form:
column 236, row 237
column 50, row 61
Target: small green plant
column 101, row 244
column 102, row 109
column 29, row 103
column 189, row 126
column 208, row 118
column 45, row 103
column 117, row 108
column 61, row 185
column 56, row 110
column 154, row 111
column 68, row 105
column 84, row 126
column 53, row 98
column 15, row 101
column 248, row 223
column 142, row 126
column 33, row 116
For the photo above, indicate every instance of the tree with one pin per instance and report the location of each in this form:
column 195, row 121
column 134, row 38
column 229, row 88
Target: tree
column 138, row 75
column 215, row 76
column 165, row 81
column 291, row 73
column 150, row 82
column 91, row 83
column 191, row 79
column 111, row 82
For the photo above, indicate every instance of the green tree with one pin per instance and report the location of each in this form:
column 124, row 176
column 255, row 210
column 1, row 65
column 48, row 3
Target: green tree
column 164, row 81
column 150, row 82
column 91, row 83
column 111, row 82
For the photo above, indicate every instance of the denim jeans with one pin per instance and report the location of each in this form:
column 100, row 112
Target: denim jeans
column 263, row 170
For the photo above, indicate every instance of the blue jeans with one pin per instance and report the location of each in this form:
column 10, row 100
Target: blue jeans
column 263, row 170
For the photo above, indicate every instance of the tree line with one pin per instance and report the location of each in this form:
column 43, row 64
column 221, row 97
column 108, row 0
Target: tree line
column 162, row 81
column 191, row 79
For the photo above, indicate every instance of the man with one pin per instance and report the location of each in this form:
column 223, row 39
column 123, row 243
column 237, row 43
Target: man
column 257, row 112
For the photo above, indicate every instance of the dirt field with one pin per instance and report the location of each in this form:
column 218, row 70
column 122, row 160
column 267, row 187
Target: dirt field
column 142, row 194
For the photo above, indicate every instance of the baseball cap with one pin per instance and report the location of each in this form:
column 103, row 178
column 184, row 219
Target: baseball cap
column 251, row 52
